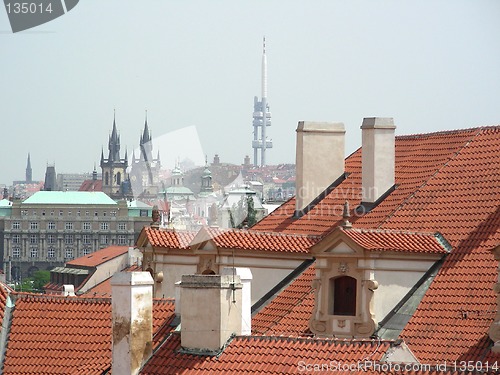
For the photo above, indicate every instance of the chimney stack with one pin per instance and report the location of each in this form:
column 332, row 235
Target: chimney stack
column 211, row 312
column 246, row 277
column 132, row 311
column 319, row 159
column 378, row 158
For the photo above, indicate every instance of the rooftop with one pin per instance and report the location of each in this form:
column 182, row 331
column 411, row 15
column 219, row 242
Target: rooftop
column 70, row 198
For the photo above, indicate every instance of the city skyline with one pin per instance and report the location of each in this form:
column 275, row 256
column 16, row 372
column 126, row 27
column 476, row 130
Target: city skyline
column 432, row 66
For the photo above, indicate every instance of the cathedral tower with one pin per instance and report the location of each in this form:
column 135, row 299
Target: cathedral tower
column 114, row 167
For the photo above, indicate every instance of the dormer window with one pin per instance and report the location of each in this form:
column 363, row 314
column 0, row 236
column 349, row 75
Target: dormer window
column 350, row 263
column 343, row 296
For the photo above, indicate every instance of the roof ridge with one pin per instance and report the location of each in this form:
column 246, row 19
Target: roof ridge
column 313, row 339
column 477, row 131
column 56, row 297
column 446, row 132
column 394, row 231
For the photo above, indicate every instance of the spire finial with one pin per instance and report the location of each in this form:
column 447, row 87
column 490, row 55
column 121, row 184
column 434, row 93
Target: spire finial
column 264, row 44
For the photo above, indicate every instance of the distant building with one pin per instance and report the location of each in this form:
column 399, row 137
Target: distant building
column 50, row 183
column 72, row 181
column 90, row 270
column 114, row 168
column 145, row 171
column 51, row 228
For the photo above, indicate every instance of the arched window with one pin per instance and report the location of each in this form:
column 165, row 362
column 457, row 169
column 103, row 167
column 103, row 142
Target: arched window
column 118, row 178
column 208, row 272
column 343, row 296
column 106, row 178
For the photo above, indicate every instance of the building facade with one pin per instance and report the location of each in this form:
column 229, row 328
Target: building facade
column 51, row 228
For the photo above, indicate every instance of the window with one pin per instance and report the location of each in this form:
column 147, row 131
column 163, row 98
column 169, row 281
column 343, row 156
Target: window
column 104, row 213
column 78, row 213
column 68, row 226
column 96, row 213
column 343, row 296
column 69, row 213
column 33, row 239
column 51, row 239
column 24, row 212
column 51, row 252
column 86, row 251
column 34, row 252
column 143, row 213
column 122, row 226
column 33, row 225
column 122, row 239
column 43, row 212
column 52, row 213
column 16, row 252
column 104, row 226
column 34, row 213
column 51, row 225
column 60, row 212
column 68, row 239
column 87, row 213
column 16, row 238
column 86, row 239
column 104, row 240
column 87, row 226
column 68, row 253
column 16, row 225
column 112, row 213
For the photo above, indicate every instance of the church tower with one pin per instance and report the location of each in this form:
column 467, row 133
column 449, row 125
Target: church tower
column 145, row 170
column 29, row 172
column 114, row 167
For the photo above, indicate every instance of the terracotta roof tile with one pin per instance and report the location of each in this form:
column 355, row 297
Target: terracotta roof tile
column 263, row 355
column 172, row 239
column 99, row 257
column 447, row 182
column 400, row 241
column 232, row 239
column 65, row 335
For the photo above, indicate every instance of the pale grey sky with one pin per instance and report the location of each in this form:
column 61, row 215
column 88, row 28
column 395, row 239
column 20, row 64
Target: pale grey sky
column 432, row 65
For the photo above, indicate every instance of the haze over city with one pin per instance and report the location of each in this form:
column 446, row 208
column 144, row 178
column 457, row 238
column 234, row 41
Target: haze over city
column 430, row 65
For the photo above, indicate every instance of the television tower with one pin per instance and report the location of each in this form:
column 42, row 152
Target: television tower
column 261, row 117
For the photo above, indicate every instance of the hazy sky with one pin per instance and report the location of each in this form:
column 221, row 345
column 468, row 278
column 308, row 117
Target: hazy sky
column 432, row 65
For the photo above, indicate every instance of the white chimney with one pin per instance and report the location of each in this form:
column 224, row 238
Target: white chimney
column 211, row 311
column 246, row 277
column 132, row 311
column 319, row 159
column 378, row 157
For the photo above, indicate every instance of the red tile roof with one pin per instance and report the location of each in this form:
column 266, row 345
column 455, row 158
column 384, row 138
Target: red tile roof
column 447, row 182
column 99, row 257
column 231, row 239
column 266, row 241
column 65, row 335
column 290, row 311
column 263, row 355
column 171, row 239
column 91, row 185
column 400, row 241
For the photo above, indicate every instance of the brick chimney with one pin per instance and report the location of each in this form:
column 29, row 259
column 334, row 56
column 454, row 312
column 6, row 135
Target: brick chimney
column 378, row 158
column 211, row 312
column 319, row 160
column 132, row 312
